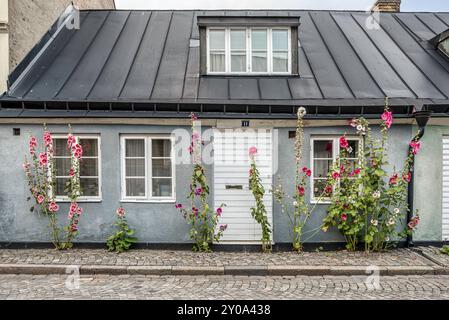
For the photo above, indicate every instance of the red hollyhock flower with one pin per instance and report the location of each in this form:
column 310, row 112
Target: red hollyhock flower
column 344, row 143
column 344, row 217
column 407, row 177
column 301, row 190
column 328, row 189
column 394, row 179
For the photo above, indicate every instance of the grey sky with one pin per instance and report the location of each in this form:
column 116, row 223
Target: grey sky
column 407, row 5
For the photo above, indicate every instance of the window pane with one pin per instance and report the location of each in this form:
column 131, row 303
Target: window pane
column 217, row 61
column 135, row 167
column 90, row 147
column 238, row 39
column 444, row 46
column 321, row 168
column 238, row 62
column 259, row 62
column 62, row 166
column 259, row 40
column 318, row 188
column 135, row 148
column 322, row 149
column 280, row 61
column 60, row 186
column 135, row 187
column 89, row 187
column 354, row 148
column 60, row 147
column 217, row 39
column 161, row 148
column 161, row 168
column 162, row 187
column 88, row 167
column 280, row 40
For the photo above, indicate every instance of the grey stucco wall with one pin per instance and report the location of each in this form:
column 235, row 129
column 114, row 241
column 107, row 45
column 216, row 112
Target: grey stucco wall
column 399, row 137
column 158, row 222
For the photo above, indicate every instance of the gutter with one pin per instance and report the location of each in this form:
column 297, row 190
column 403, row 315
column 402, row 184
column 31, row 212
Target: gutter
column 421, row 117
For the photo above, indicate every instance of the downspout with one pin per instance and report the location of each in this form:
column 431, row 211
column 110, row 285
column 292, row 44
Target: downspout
column 421, row 117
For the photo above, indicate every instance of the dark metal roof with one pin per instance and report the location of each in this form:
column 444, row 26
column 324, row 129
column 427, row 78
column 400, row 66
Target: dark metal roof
column 147, row 57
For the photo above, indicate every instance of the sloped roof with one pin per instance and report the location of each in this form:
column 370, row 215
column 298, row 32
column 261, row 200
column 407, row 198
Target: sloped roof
column 147, row 56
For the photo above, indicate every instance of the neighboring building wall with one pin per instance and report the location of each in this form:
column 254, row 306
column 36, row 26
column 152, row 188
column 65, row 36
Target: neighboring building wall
column 429, row 184
column 154, row 222
column 4, row 45
column 29, row 20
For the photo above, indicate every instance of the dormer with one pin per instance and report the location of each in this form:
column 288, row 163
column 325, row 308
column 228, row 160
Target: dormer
column 248, row 46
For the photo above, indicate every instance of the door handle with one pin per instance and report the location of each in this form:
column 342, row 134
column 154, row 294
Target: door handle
column 234, row 187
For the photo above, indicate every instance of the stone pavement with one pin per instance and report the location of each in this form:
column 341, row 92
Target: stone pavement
column 222, row 287
column 185, row 262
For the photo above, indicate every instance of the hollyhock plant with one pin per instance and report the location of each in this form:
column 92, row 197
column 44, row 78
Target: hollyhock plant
column 40, row 172
column 203, row 221
column 371, row 198
column 295, row 205
column 259, row 211
column 123, row 238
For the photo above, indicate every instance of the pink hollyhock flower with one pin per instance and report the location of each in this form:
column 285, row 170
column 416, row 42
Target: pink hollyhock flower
column 77, row 150
column 250, row 172
column 79, row 211
column 223, row 227
column 328, row 189
column 73, row 207
column 344, row 143
column 178, row 206
column 43, row 159
column 70, row 141
column 301, row 190
column 53, row 207
column 33, row 142
column 72, row 172
column 344, row 217
column 342, row 169
column 335, row 175
column 195, row 211
column 407, row 177
column 394, row 179
column 198, row 191
column 48, row 140
column 252, row 151
column 120, row 212
column 411, row 225
column 70, row 215
column 357, row 171
column 387, row 117
column 219, row 211
column 193, row 117
column 40, row 199
column 416, row 146
column 74, row 227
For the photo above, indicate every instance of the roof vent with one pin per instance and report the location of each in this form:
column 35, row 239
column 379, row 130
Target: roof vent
column 387, row 6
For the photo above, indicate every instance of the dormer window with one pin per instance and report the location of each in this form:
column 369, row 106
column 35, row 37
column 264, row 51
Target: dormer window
column 248, row 45
column 249, row 50
column 444, row 47
column 441, row 42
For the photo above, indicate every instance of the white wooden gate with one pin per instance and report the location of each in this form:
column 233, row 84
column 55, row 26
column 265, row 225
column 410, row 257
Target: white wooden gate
column 231, row 174
column 445, row 221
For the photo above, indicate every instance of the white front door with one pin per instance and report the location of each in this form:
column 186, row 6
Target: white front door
column 231, row 175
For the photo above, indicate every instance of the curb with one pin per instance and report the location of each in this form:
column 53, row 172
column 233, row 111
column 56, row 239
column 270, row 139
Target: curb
column 270, row 270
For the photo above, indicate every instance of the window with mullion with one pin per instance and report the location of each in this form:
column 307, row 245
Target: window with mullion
column 148, row 168
column 89, row 167
column 325, row 152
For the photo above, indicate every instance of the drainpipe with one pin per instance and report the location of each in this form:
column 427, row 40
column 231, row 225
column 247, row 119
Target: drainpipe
column 421, row 117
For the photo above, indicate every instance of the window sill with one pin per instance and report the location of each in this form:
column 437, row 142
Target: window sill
column 148, row 201
column 79, row 200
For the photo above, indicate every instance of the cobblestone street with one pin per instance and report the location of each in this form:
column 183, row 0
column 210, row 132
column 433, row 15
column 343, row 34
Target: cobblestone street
column 221, row 287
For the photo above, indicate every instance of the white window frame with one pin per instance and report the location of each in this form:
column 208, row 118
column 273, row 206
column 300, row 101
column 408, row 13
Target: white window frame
column 98, row 198
column 249, row 51
column 335, row 153
column 148, row 168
